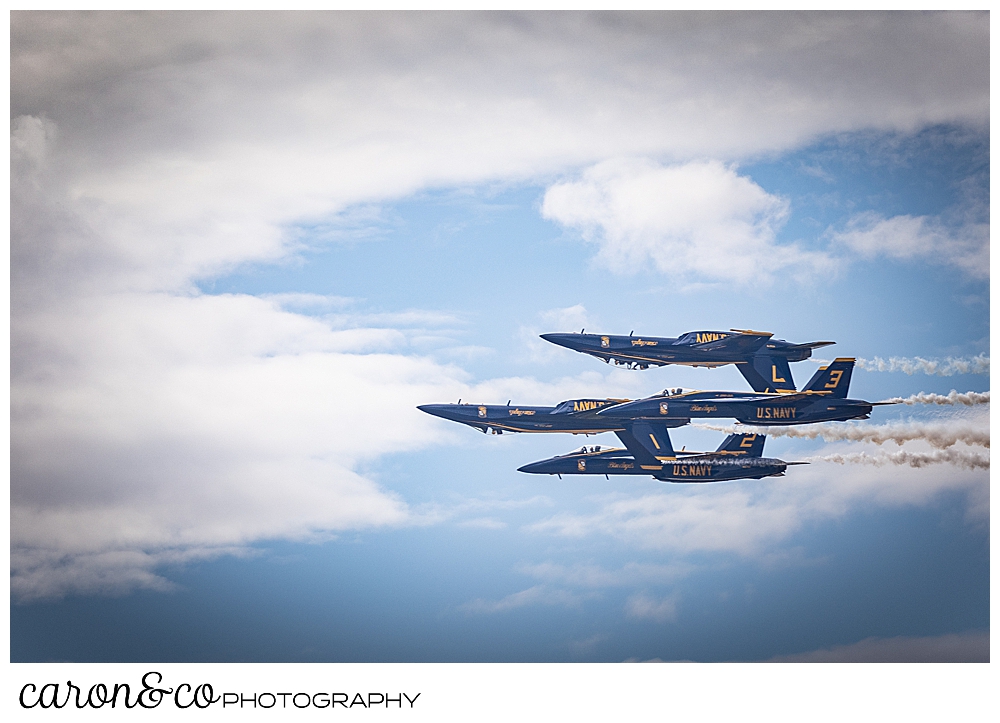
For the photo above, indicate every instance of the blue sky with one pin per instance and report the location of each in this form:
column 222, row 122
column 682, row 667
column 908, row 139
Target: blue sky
column 239, row 263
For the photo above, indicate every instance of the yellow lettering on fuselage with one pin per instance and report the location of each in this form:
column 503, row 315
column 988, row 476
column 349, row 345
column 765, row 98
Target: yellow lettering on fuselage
column 692, row 470
column 519, row 412
column 775, row 412
column 621, row 465
column 703, row 408
column 587, row 404
column 642, row 342
column 705, row 338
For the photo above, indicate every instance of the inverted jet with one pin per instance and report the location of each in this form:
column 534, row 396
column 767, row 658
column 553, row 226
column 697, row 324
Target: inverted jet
column 738, row 457
column 762, row 359
column 823, row 399
column 576, row 416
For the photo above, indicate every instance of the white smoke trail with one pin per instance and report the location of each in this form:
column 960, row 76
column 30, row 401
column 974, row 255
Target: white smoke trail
column 953, row 397
column 937, row 435
column 943, row 368
column 969, row 460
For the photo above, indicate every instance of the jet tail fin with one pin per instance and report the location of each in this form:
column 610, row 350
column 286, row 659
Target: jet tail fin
column 834, row 378
column 648, row 443
column 750, row 445
column 766, row 373
column 757, row 382
column 775, row 372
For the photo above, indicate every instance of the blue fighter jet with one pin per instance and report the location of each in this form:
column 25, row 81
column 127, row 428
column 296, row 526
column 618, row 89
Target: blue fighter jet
column 761, row 359
column 576, row 416
column 823, row 399
column 738, row 457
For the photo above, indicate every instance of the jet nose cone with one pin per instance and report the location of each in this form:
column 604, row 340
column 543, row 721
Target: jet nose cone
column 533, row 468
column 445, row 411
column 559, row 339
column 570, row 341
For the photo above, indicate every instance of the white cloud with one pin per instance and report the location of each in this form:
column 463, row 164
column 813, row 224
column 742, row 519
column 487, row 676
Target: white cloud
column 207, row 138
column 143, row 425
column 905, row 237
column 700, row 217
column 566, row 319
column 661, row 610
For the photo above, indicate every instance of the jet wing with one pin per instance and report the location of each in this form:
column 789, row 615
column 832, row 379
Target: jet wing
column 741, row 343
column 811, row 345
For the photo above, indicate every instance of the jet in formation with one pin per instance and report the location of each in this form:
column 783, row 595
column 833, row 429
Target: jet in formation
column 762, row 359
column 643, row 424
column 740, row 456
column 823, row 399
column 576, row 416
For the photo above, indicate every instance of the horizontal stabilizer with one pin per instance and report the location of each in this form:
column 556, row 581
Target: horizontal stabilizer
column 812, row 345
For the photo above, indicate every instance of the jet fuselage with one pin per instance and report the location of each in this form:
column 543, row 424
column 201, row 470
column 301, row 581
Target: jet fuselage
column 747, row 408
column 576, row 416
column 708, row 467
column 695, row 348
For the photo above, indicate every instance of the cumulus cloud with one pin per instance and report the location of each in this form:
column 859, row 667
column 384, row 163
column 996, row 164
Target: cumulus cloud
column 205, row 135
column 699, row 216
column 905, row 237
column 146, row 427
